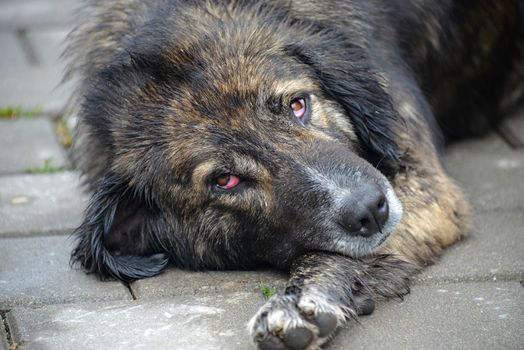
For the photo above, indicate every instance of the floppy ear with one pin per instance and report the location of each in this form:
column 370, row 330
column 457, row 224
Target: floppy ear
column 121, row 234
column 343, row 70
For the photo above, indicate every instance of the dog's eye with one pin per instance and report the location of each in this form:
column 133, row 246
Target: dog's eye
column 298, row 106
column 227, row 182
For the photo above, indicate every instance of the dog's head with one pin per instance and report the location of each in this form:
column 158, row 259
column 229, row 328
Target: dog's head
column 235, row 140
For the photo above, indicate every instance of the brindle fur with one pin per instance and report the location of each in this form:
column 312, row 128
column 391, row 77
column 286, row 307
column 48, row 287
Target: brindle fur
column 173, row 93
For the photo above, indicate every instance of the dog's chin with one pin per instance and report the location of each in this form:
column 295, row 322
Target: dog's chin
column 359, row 246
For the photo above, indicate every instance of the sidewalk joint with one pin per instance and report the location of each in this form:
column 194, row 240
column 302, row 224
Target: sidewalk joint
column 5, row 325
column 27, row 47
column 516, row 209
column 128, row 286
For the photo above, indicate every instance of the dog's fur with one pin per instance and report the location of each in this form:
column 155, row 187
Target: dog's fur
column 173, row 94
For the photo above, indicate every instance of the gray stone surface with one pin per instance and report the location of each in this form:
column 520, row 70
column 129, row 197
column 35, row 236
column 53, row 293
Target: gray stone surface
column 178, row 282
column 26, row 144
column 3, row 338
column 49, row 45
column 40, row 204
column 36, row 271
column 36, row 13
column 30, row 70
column 491, row 143
column 9, row 40
column 494, row 251
column 490, row 172
column 183, row 322
column 447, row 316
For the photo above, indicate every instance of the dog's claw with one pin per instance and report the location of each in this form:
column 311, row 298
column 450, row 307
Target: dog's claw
column 298, row 338
column 326, row 324
column 271, row 342
column 366, row 307
column 295, row 339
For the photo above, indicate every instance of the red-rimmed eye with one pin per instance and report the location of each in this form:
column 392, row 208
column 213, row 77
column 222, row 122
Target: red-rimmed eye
column 298, row 106
column 227, row 182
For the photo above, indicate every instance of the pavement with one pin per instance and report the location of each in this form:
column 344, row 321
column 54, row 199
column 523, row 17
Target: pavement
column 472, row 299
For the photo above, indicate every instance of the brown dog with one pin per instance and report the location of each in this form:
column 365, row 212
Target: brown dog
column 301, row 134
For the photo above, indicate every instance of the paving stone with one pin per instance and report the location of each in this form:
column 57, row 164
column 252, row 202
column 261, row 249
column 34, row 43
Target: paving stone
column 3, row 338
column 36, row 13
column 491, row 143
column 451, row 316
column 36, row 271
column 8, row 40
column 31, row 72
column 26, row 144
column 49, row 45
column 491, row 173
column 447, row 316
column 494, row 251
column 40, row 204
column 179, row 282
column 182, row 322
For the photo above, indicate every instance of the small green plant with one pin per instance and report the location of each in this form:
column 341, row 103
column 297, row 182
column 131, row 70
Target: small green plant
column 14, row 112
column 267, row 291
column 47, row 168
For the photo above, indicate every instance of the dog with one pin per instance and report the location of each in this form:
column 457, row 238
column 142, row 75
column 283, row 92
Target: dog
column 302, row 135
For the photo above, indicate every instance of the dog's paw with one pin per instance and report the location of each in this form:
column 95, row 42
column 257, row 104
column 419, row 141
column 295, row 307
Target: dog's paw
column 292, row 322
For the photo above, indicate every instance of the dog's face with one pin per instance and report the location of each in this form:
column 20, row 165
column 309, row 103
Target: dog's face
column 237, row 148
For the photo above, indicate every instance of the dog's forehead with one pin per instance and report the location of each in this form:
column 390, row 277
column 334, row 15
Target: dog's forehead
column 216, row 71
column 214, row 65
column 221, row 56
column 238, row 87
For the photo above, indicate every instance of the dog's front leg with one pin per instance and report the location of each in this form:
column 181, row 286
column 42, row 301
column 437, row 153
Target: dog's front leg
column 323, row 293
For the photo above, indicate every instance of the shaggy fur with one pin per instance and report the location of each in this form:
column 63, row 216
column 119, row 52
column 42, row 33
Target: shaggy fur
column 174, row 95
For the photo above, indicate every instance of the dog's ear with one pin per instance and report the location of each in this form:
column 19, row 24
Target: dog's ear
column 121, row 234
column 343, row 71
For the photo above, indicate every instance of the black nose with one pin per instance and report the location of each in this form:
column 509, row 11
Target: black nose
column 365, row 211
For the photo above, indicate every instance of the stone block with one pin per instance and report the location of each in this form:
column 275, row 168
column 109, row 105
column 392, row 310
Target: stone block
column 31, row 72
column 490, row 172
column 447, row 316
column 494, row 251
column 26, row 144
column 4, row 345
column 183, row 322
column 36, row 271
column 40, row 204
column 36, row 13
